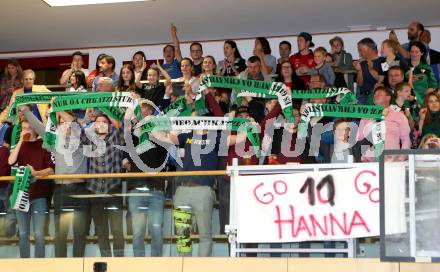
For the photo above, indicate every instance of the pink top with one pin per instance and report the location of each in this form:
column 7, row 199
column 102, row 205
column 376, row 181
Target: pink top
column 397, row 131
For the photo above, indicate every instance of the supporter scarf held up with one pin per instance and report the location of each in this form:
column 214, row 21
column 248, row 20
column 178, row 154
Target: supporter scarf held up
column 202, row 123
column 273, row 89
column 347, row 111
column 20, row 192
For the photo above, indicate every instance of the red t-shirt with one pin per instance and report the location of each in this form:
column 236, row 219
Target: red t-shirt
column 297, row 60
column 5, row 168
column 32, row 153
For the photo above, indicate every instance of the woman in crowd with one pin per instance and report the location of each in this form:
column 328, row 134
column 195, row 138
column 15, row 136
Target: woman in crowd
column 91, row 77
column 289, row 77
column 429, row 121
column 77, row 82
column 233, row 64
column 139, row 65
column 126, row 79
column 421, row 75
column 29, row 152
column 157, row 92
column 263, row 51
column 10, row 82
column 190, row 82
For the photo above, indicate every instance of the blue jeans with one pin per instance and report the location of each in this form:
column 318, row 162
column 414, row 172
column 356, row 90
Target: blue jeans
column 142, row 207
column 38, row 213
column 68, row 209
column 8, row 220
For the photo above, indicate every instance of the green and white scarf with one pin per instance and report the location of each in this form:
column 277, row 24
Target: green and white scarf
column 346, row 96
column 202, row 123
column 20, row 192
column 113, row 104
column 272, row 89
column 346, row 111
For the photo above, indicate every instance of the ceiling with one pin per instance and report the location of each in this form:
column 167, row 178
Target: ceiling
column 33, row 25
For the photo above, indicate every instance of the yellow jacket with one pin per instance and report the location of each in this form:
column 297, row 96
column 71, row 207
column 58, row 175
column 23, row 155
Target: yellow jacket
column 42, row 108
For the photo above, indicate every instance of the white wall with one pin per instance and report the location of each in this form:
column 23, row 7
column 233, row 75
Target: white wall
column 245, row 46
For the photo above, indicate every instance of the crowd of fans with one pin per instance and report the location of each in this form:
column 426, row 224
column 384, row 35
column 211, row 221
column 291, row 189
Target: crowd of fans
column 401, row 76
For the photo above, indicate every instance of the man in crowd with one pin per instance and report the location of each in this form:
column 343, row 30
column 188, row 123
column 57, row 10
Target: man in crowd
column 201, row 153
column 105, row 84
column 303, row 61
column 285, row 50
column 433, row 56
column 106, row 69
column 195, row 51
column 395, row 76
column 415, row 30
column 146, row 195
column 99, row 141
column 77, row 63
column 397, row 127
column 254, row 72
column 366, row 70
column 39, row 110
column 172, row 56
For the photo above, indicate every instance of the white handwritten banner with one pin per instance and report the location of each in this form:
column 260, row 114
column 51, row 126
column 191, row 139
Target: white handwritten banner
column 327, row 205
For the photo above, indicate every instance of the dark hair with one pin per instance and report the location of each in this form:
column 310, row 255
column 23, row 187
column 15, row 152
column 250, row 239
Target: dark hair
column 254, row 59
column 14, row 62
column 339, row 121
column 287, row 43
column 98, row 59
column 189, row 60
column 80, row 79
column 196, row 43
column 190, row 63
column 387, row 91
column 233, row 44
column 110, row 60
column 169, row 45
column 100, row 114
column 140, row 53
column 368, row 42
column 265, row 44
column 421, row 47
column 8, row 135
column 121, row 82
column 296, row 82
column 77, row 53
column 419, row 26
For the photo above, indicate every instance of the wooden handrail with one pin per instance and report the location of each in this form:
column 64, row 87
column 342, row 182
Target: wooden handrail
column 128, row 175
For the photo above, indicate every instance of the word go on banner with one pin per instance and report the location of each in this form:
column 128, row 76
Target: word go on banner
column 326, row 205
